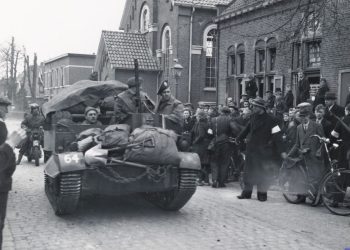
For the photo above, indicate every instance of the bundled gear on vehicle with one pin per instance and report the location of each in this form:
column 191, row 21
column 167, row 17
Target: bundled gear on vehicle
column 85, row 139
column 113, row 138
column 154, row 146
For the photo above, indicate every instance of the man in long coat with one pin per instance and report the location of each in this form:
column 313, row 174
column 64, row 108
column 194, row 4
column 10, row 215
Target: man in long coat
column 332, row 107
column 264, row 139
column 171, row 108
column 7, row 166
column 221, row 129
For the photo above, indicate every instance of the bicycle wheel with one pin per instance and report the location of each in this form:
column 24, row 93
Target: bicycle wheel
column 335, row 192
column 293, row 183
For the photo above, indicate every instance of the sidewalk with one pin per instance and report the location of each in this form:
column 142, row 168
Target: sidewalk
column 8, row 240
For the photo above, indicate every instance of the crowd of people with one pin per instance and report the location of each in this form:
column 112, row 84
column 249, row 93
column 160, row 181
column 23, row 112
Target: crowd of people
column 266, row 131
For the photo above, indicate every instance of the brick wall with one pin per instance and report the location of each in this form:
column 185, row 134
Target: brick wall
column 249, row 27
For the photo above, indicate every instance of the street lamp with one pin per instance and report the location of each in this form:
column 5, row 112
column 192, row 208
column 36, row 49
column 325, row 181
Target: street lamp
column 177, row 71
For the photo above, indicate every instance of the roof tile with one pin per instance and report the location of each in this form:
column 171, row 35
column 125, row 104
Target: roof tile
column 203, row 3
column 123, row 48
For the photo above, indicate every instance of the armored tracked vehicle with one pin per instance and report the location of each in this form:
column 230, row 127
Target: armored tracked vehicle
column 69, row 175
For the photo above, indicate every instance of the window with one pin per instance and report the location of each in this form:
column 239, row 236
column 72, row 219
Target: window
column 240, row 59
column 144, row 18
column 260, row 60
column 210, row 46
column 166, row 51
column 272, row 59
column 271, row 54
column 314, row 54
column 312, row 23
column 260, row 56
column 231, row 61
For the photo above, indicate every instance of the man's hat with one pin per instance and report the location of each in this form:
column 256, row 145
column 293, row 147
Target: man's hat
column 163, row 87
column 188, row 105
column 304, row 113
column 4, row 101
column 132, row 82
column 330, row 96
column 268, row 91
column 225, row 110
column 304, row 105
column 259, row 102
column 278, row 89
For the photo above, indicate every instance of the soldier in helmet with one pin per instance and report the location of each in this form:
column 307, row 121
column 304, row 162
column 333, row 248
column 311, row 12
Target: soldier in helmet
column 34, row 120
column 126, row 102
column 8, row 163
column 170, row 107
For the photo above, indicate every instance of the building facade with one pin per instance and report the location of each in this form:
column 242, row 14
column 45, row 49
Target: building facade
column 183, row 32
column 65, row 70
column 115, row 59
column 275, row 40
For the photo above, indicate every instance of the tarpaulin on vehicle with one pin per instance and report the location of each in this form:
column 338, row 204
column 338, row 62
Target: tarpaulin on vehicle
column 82, row 94
column 153, row 146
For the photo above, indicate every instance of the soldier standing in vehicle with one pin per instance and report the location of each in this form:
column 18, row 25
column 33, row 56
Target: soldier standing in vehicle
column 7, row 166
column 126, row 102
column 263, row 139
column 171, row 108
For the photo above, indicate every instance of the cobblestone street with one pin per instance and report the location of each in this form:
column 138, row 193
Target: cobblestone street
column 213, row 219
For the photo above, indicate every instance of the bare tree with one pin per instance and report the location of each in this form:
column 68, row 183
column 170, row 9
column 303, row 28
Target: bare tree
column 9, row 57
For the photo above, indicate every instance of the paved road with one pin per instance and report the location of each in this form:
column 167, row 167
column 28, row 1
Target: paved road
column 213, row 219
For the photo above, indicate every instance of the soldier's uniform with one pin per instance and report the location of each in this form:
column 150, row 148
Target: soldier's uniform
column 7, row 166
column 126, row 103
column 171, row 108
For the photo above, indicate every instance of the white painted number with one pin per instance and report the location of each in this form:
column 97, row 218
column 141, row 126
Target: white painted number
column 73, row 157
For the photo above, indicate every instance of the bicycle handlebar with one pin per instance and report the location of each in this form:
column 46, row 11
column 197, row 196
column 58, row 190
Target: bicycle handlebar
column 322, row 139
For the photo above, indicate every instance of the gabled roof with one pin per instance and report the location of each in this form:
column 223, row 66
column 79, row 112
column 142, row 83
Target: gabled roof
column 240, row 7
column 123, row 48
column 202, row 3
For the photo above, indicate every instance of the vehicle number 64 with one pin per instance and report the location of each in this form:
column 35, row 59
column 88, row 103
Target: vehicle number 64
column 71, row 157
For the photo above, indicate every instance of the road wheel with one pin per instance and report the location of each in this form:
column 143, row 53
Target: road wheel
column 175, row 199
column 36, row 155
column 63, row 192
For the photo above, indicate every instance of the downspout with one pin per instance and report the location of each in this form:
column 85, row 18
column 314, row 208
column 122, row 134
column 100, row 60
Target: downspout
column 217, row 63
column 190, row 58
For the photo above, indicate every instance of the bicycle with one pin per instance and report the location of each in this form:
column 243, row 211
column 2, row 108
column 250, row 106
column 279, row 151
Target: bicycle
column 333, row 188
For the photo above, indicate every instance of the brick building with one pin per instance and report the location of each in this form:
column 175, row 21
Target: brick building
column 182, row 30
column 65, row 70
column 276, row 39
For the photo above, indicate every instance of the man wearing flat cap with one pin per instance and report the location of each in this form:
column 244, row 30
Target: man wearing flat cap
column 310, row 147
column 126, row 102
column 263, row 143
column 171, row 108
column 332, row 108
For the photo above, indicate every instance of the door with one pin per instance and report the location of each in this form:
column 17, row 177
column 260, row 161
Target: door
column 344, row 84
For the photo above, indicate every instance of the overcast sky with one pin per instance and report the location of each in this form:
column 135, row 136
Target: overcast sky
column 54, row 27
